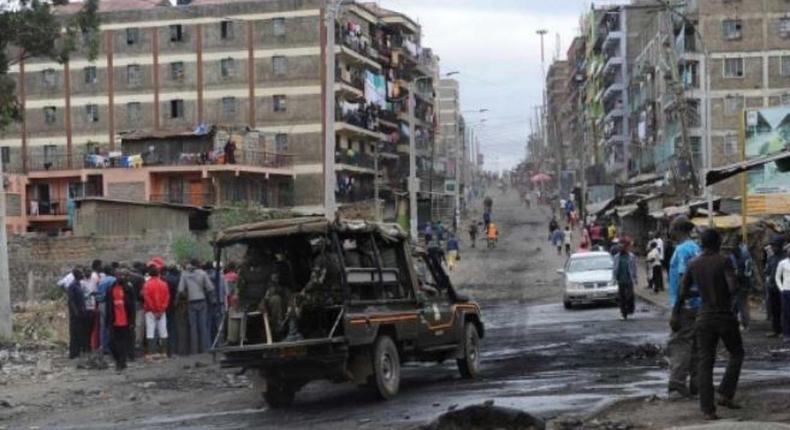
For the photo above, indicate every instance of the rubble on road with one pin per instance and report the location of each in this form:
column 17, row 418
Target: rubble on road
column 573, row 423
column 486, row 416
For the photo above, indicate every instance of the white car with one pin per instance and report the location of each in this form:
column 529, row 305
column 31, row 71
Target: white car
column 588, row 278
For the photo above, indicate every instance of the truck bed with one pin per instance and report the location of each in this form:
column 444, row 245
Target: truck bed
column 302, row 353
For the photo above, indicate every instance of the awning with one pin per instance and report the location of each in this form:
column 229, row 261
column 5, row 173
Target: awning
column 721, row 173
column 626, row 210
column 724, row 221
column 595, row 208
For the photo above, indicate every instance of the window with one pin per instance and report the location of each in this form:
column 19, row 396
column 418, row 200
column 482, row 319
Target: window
column 733, row 105
column 228, row 107
column 228, row 67
column 49, row 115
column 279, row 103
column 134, row 75
column 785, row 99
column 90, row 74
column 92, row 113
column 784, row 28
column 176, row 108
column 784, row 65
column 281, row 143
column 733, row 67
column 730, row 145
column 5, row 154
column 732, row 29
column 279, row 27
column 280, row 65
column 177, row 71
column 176, row 33
column 132, row 36
column 48, row 77
column 133, row 110
column 226, row 30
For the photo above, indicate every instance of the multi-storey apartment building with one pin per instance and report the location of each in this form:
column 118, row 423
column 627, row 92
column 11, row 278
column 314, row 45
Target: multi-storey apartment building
column 449, row 150
column 190, row 78
column 738, row 49
column 557, row 122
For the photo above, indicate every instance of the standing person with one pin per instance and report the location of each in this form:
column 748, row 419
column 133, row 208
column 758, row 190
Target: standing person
column 171, row 276
column 452, row 251
column 711, row 278
column 119, row 312
column 136, row 278
column 553, row 225
column 107, row 281
column 585, row 242
column 440, row 231
column 624, row 271
column 76, row 314
column 558, row 238
column 611, row 232
column 473, row 233
column 230, row 152
column 492, row 234
column 486, row 219
column 216, row 307
column 743, row 264
column 655, row 271
column 90, row 286
column 659, row 245
column 772, row 292
column 783, row 282
column 567, row 240
column 231, row 276
column 156, row 298
column 682, row 344
column 197, row 287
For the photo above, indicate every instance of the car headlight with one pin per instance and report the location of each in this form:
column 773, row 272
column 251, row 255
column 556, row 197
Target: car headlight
column 574, row 286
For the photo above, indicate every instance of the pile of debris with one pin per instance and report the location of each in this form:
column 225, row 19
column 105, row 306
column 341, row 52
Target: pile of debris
column 486, row 416
column 41, row 323
column 645, row 352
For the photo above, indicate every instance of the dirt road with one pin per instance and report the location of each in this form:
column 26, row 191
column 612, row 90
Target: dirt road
column 537, row 356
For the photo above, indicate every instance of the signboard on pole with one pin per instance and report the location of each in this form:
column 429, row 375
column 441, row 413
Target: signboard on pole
column 766, row 132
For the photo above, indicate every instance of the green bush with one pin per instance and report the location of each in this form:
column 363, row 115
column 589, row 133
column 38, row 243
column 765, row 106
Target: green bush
column 185, row 248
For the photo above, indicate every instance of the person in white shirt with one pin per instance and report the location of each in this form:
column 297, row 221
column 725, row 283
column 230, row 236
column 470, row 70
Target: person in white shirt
column 783, row 282
column 655, row 275
column 568, row 240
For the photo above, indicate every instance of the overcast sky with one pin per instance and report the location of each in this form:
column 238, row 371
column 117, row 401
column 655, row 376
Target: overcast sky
column 494, row 46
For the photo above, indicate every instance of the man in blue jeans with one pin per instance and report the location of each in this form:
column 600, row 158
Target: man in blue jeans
column 197, row 287
column 682, row 344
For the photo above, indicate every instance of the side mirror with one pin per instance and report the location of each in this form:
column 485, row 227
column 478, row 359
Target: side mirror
column 560, row 271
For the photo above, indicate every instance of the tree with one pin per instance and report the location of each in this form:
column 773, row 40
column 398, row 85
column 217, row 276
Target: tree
column 29, row 29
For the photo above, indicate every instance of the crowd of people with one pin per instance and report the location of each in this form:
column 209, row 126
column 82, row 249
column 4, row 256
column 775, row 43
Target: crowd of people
column 153, row 309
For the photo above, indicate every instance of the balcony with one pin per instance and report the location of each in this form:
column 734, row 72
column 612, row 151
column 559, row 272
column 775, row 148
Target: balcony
column 357, row 48
column 354, row 159
column 613, row 89
column 613, row 63
column 192, row 199
column 616, row 112
column 47, row 209
column 358, row 120
column 157, row 161
column 350, row 83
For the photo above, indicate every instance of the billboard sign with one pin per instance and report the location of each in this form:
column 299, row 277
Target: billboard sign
column 767, row 132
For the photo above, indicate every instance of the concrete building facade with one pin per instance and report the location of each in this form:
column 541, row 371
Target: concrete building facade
column 244, row 65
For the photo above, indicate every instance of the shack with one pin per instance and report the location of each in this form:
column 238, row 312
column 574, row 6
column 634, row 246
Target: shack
column 108, row 217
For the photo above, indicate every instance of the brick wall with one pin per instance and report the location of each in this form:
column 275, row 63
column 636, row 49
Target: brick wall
column 36, row 263
column 132, row 191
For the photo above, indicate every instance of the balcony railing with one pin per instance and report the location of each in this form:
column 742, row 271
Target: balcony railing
column 49, row 207
column 359, row 115
column 194, row 199
column 355, row 159
column 215, row 157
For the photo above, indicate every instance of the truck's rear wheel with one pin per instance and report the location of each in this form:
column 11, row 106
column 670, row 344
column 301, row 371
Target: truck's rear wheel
column 278, row 394
column 386, row 368
column 469, row 363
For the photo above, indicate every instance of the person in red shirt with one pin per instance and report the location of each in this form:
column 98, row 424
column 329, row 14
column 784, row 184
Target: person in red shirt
column 156, row 297
column 119, row 310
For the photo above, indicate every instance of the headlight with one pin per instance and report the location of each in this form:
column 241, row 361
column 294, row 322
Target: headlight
column 574, row 286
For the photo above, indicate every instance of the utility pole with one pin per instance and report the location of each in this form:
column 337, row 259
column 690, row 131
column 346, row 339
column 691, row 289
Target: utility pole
column 413, row 184
column 6, row 329
column 545, row 116
column 330, row 13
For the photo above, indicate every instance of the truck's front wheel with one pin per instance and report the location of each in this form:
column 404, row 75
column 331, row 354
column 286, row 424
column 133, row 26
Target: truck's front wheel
column 278, row 394
column 386, row 368
column 469, row 363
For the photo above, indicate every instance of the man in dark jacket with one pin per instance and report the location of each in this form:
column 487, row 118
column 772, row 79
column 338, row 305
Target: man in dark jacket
column 772, row 294
column 77, row 313
column 119, row 311
column 172, row 276
column 713, row 275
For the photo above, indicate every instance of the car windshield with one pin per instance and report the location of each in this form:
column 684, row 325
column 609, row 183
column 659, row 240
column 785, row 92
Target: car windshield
column 590, row 263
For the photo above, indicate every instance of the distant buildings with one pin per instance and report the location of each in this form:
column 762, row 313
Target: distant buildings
column 637, row 85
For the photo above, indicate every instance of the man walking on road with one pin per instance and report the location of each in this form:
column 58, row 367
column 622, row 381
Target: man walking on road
column 472, row 234
column 711, row 278
column 626, row 277
column 567, row 240
column 742, row 261
column 682, row 345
